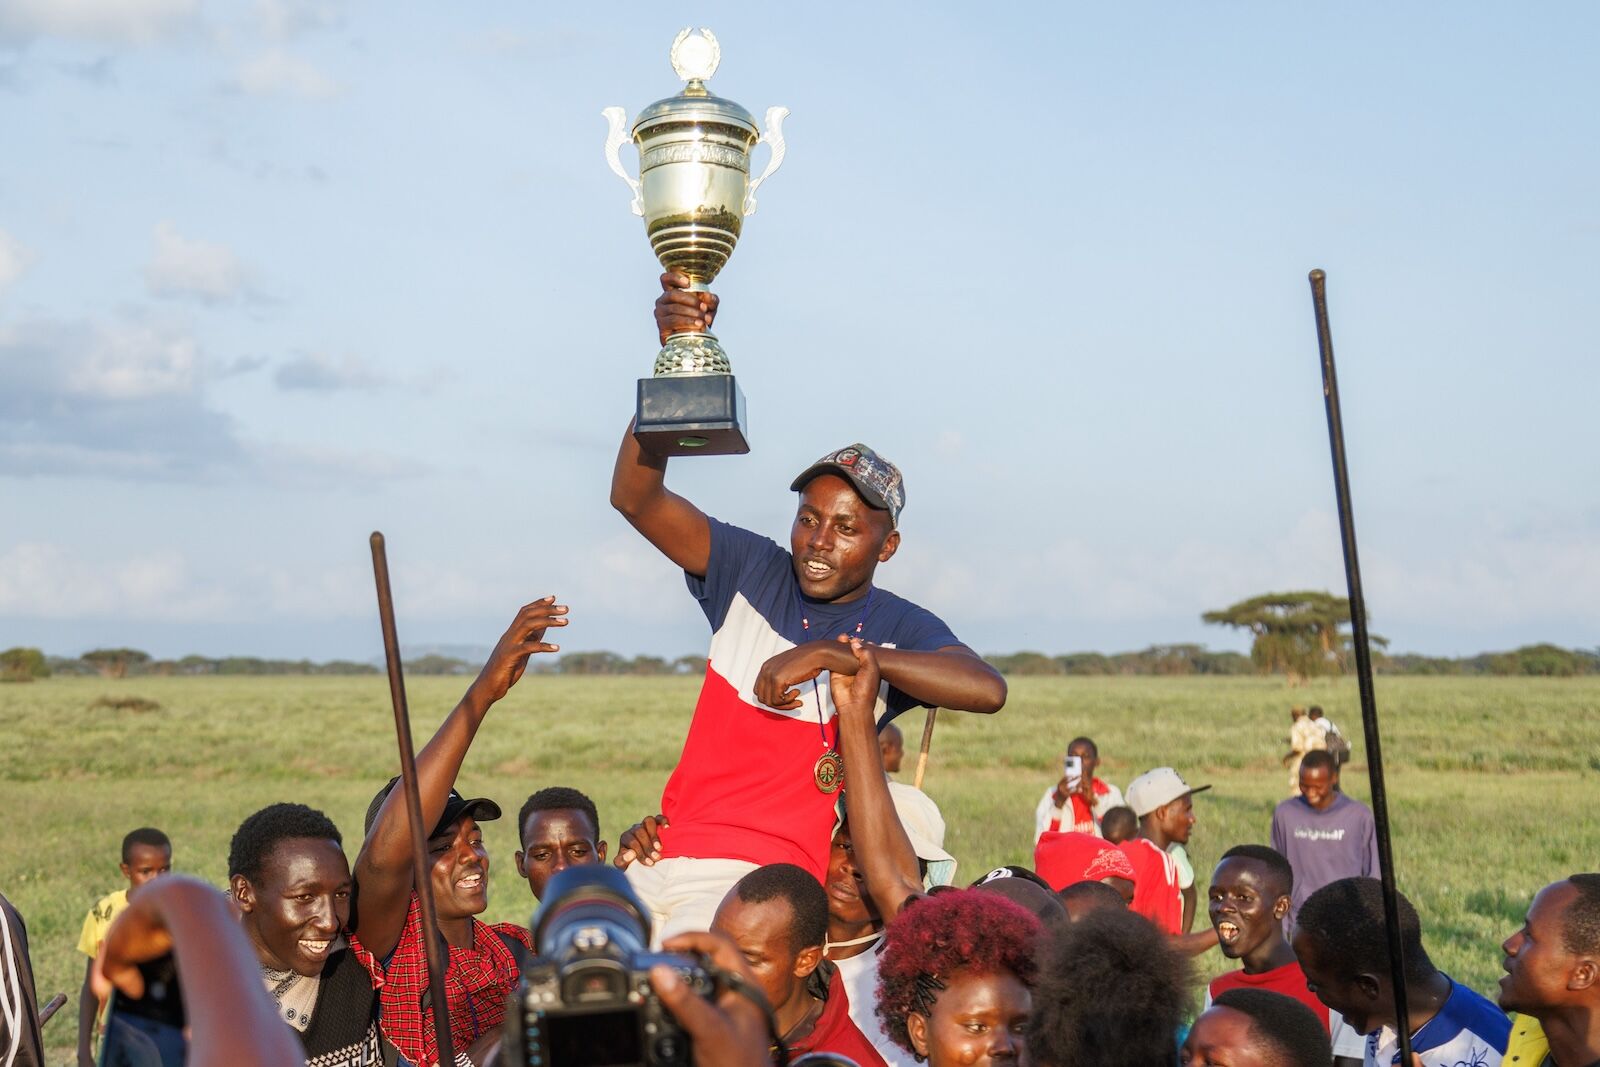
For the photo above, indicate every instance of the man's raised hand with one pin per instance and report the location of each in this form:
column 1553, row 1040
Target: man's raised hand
column 680, row 310
column 523, row 638
column 641, row 842
column 857, row 692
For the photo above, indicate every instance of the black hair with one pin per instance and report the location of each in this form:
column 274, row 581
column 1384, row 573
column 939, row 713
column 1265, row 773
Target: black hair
column 1119, row 814
column 1345, row 918
column 259, row 834
column 1315, row 711
column 1112, row 991
column 800, row 890
column 1292, row 1031
column 1272, row 859
column 1091, row 896
column 144, row 835
column 891, row 726
column 557, row 798
column 1094, row 749
column 1580, row 927
column 1320, row 759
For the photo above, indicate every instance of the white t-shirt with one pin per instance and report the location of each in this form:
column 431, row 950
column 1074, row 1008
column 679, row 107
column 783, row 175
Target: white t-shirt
column 860, row 976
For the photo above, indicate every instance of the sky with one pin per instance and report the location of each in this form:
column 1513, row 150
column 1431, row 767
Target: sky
column 276, row 274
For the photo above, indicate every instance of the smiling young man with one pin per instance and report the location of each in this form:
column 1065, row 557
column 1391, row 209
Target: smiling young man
column 288, row 876
column 760, row 768
column 778, row 917
column 1323, row 833
column 1340, row 943
column 558, row 828
column 483, row 967
column 1552, row 977
column 1249, row 896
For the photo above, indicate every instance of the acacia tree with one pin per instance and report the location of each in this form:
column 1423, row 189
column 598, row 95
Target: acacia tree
column 1298, row 634
column 114, row 662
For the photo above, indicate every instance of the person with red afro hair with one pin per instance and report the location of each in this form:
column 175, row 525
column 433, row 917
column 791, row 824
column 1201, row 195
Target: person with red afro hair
column 955, row 985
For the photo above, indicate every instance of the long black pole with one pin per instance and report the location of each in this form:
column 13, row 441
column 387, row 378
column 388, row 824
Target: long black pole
column 1358, row 636
column 408, row 782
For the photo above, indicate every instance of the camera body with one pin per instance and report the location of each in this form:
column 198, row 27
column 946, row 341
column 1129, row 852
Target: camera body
column 1072, row 770
column 585, row 1000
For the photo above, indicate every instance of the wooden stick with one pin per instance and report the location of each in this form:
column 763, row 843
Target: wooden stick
column 432, row 943
column 922, row 754
column 49, row 1010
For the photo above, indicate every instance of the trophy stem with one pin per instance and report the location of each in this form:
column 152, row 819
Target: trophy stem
column 689, row 353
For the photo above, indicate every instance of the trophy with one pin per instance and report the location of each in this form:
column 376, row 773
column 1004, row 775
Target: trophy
column 694, row 192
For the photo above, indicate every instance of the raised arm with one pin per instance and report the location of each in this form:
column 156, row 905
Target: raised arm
column 950, row 677
column 638, row 484
column 882, row 849
column 383, row 868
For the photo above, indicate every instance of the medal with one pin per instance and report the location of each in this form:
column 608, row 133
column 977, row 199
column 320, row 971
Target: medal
column 829, row 772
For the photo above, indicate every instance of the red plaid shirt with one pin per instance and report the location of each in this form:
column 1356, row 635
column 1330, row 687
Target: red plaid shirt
column 477, row 982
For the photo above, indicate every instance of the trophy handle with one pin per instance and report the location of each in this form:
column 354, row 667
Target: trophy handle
column 614, row 140
column 774, row 139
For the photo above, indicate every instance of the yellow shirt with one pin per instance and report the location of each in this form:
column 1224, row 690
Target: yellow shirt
column 1527, row 1047
column 98, row 921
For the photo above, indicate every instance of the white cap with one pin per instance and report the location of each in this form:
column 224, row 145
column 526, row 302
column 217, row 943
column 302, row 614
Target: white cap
column 925, row 827
column 1153, row 789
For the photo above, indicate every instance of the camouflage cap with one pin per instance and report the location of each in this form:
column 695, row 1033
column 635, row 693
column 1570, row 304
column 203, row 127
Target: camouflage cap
column 875, row 478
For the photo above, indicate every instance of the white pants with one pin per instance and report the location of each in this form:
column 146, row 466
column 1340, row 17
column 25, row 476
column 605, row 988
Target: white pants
column 681, row 894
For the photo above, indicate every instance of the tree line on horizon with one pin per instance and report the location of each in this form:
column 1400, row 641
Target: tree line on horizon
column 1299, row 635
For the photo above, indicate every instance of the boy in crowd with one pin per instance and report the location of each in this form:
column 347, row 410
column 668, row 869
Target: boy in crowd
column 1119, row 824
column 1249, row 896
column 1077, row 802
column 892, row 743
column 1552, row 977
column 558, row 828
column 774, row 613
column 1323, row 833
column 1164, row 805
column 483, row 968
column 1340, row 943
column 1255, row 1028
column 288, row 876
column 778, row 916
column 146, row 854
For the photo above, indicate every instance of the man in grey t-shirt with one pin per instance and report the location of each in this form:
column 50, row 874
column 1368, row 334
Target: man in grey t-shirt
column 1324, row 834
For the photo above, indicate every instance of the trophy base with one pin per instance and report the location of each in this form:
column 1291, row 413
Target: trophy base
column 691, row 415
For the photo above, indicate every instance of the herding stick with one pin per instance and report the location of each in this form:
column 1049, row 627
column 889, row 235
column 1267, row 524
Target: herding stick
column 1358, row 638
column 922, row 753
column 408, row 782
column 49, row 1010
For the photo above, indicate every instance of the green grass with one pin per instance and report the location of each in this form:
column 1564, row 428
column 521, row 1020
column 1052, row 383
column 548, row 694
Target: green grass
column 1492, row 781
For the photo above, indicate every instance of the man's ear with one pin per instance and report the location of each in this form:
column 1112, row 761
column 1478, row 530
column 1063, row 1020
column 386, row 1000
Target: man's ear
column 891, row 545
column 243, row 893
column 522, row 870
column 1584, row 976
column 1280, row 907
column 1371, row 986
column 808, row 960
column 600, row 851
column 917, row 1030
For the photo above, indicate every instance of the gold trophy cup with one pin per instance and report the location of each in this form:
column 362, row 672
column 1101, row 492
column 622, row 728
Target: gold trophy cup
column 694, row 191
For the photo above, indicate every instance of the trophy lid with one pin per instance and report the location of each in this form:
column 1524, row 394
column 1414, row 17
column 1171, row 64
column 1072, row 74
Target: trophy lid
column 695, row 57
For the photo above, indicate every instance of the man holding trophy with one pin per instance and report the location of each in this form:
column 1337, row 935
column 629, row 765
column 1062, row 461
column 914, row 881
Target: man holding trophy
column 760, row 771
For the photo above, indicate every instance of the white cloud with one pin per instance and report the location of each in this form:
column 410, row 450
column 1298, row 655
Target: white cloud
column 14, row 260
column 276, row 72
column 285, row 19
column 117, row 22
column 188, row 267
column 320, row 372
column 45, row 581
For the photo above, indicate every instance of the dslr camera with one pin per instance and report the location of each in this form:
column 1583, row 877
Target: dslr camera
column 585, row 999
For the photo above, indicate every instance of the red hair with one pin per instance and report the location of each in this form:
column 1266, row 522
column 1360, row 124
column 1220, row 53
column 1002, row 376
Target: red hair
column 934, row 937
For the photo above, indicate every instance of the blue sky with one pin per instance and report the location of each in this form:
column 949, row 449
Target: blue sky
column 275, row 274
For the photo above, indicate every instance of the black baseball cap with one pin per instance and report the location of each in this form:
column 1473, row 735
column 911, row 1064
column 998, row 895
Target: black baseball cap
column 482, row 809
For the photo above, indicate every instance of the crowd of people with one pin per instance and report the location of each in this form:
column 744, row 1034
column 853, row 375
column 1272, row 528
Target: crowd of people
column 820, row 884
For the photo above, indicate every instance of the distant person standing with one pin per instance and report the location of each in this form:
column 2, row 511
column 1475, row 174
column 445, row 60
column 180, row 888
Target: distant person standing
column 1334, row 741
column 1080, row 799
column 1304, row 736
column 146, row 854
column 1324, row 834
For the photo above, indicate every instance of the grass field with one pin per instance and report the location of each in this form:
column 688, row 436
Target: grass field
column 1492, row 781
